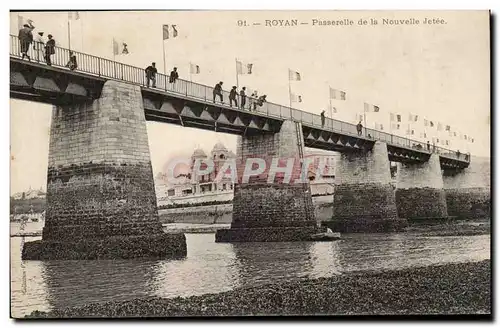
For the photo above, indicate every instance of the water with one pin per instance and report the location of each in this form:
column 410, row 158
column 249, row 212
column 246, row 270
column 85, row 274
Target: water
column 211, row 267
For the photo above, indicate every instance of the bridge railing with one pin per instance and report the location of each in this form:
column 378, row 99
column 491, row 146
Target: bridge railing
column 114, row 70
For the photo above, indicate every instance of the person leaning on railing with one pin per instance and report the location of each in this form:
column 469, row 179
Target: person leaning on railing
column 72, row 64
column 151, row 74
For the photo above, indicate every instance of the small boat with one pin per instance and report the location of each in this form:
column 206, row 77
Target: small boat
column 326, row 236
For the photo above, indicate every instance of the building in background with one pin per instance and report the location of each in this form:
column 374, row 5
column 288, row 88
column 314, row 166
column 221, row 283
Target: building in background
column 191, row 188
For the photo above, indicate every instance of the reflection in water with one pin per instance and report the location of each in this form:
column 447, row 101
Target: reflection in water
column 208, row 268
column 212, row 267
column 261, row 263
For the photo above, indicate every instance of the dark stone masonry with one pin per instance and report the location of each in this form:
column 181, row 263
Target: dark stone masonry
column 364, row 199
column 420, row 193
column 101, row 201
column 274, row 210
column 421, row 203
column 468, row 191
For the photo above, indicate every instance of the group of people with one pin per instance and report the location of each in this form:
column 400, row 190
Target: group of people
column 151, row 72
column 253, row 101
column 43, row 48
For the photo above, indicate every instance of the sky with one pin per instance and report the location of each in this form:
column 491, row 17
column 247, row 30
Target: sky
column 439, row 72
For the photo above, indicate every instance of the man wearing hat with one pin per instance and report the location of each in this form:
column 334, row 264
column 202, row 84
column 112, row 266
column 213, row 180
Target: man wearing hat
column 173, row 75
column 50, row 49
column 25, row 39
column 232, row 97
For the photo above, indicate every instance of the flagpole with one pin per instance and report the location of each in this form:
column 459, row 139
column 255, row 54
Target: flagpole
column 289, row 89
column 69, row 35
column 164, row 60
column 331, row 112
column 237, row 82
column 190, row 72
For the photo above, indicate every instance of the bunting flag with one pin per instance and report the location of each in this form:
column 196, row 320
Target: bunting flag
column 413, row 118
column 439, row 126
column 240, row 70
column 431, row 124
column 395, row 126
column 166, row 32
column 74, row 15
column 379, row 126
column 359, row 117
column 392, row 117
column 296, row 98
column 293, row 76
column 371, row 108
column 337, row 94
column 119, row 48
column 426, row 122
column 194, row 69
column 447, row 128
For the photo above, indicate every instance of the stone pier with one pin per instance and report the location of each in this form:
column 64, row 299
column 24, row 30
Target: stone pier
column 267, row 208
column 101, row 201
column 364, row 198
column 419, row 190
column 468, row 191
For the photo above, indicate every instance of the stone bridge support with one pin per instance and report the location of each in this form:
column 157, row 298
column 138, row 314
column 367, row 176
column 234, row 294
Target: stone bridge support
column 468, row 191
column 101, row 200
column 267, row 209
column 364, row 198
column 419, row 190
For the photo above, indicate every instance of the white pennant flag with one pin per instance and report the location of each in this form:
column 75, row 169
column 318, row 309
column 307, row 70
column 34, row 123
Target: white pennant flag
column 293, row 76
column 240, row 70
column 296, row 98
column 194, row 69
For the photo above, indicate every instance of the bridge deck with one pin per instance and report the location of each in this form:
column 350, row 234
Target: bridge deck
column 191, row 104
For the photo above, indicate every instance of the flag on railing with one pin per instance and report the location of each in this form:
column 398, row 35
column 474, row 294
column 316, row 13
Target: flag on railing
column 371, row 108
column 166, row 32
column 240, row 70
column 337, row 94
column 74, row 15
column 293, row 76
column 194, row 69
column 295, row 98
column 119, row 48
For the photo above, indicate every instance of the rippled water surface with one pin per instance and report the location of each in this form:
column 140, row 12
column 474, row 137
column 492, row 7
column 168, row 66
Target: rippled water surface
column 212, row 267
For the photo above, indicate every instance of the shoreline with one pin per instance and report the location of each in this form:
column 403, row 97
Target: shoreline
column 459, row 288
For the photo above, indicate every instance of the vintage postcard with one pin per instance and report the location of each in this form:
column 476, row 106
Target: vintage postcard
column 249, row 163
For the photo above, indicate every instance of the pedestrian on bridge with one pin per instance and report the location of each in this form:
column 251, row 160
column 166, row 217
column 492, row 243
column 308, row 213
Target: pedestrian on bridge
column 173, row 76
column 252, row 100
column 260, row 102
column 322, row 119
column 151, row 75
column 243, row 97
column 72, row 64
column 428, row 146
column 39, row 46
column 25, row 38
column 50, row 49
column 359, row 128
column 218, row 92
column 232, row 97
